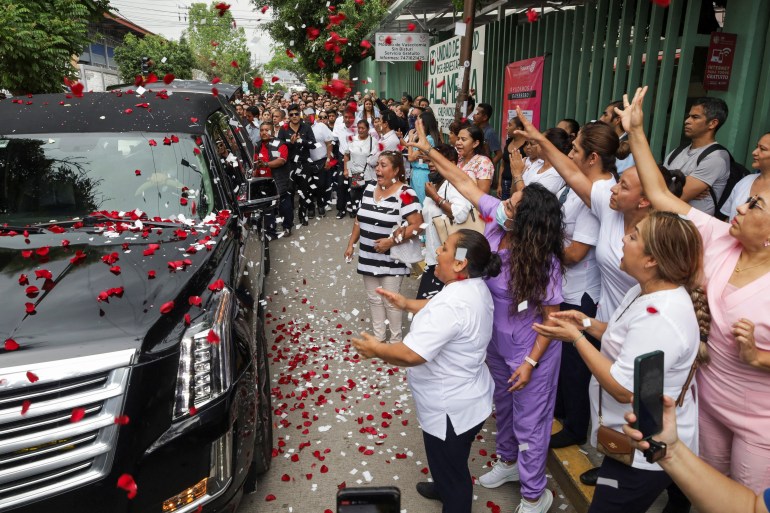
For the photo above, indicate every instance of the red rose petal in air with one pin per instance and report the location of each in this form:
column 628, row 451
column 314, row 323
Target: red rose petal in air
column 366, row 44
column 174, row 139
column 234, row 64
column 32, row 291
column 441, row 84
column 32, row 377
column 194, row 300
column 23, row 280
column 126, row 481
column 324, row 469
column 274, row 79
column 418, row 65
column 193, row 120
column 187, row 319
column 150, row 275
column 222, row 8
column 217, row 285
column 312, row 33
column 77, row 414
column 410, row 27
column 166, row 307
column 289, row 53
column 652, row 310
column 115, row 269
column 269, row 498
column 168, row 78
column 265, row 8
column 212, row 337
column 166, row 141
column 25, row 407
column 11, row 344
column 258, row 81
column 152, row 142
column 532, row 15
column 30, row 308
column 215, row 91
column 662, row 3
column 138, row 172
column 216, row 80
column 183, row 202
column 151, row 79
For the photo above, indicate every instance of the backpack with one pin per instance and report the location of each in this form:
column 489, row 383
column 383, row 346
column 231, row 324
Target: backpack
column 737, row 172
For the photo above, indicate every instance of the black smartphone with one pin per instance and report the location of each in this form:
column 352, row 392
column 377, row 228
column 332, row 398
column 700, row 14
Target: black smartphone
column 648, row 393
column 375, row 499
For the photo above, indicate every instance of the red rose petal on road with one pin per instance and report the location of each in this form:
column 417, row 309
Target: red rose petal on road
column 269, row 498
column 126, row 482
column 285, row 477
column 324, row 469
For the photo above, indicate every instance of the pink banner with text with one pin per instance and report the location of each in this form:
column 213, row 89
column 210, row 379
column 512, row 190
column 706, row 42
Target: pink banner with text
column 523, row 87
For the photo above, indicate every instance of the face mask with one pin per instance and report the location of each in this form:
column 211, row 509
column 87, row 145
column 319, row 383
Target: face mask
column 501, row 217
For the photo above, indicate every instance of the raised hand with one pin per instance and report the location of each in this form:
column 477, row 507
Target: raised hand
column 632, row 117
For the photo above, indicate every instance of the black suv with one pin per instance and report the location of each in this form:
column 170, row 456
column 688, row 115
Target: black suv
column 133, row 361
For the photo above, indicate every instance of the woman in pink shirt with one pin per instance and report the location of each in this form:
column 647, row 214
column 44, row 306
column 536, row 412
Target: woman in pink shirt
column 734, row 388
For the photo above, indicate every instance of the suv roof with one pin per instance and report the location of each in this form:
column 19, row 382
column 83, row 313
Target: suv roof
column 113, row 111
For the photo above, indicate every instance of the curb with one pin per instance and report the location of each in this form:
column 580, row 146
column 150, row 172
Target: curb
column 566, row 465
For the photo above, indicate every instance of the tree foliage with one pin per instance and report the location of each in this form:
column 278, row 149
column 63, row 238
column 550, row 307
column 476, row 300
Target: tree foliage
column 312, row 31
column 39, row 38
column 179, row 57
column 217, row 44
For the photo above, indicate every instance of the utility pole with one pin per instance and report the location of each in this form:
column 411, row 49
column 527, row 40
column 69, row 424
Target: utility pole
column 466, row 51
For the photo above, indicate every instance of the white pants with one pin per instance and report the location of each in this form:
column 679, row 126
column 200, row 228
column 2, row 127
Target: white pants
column 382, row 309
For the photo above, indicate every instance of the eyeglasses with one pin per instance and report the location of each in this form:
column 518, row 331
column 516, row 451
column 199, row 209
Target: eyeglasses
column 293, row 114
column 754, row 202
column 323, row 117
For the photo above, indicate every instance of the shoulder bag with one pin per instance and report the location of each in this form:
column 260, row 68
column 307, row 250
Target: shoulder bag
column 357, row 179
column 445, row 226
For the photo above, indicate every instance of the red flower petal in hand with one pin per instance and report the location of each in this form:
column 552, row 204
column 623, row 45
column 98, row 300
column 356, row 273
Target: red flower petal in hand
column 126, row 481
column 166, row 307
column 11, row 344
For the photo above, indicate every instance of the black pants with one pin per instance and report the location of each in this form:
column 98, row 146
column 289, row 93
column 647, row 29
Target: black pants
column 429, row 284
column 285, row 211
column 303, row 176
column 572, row 402
column 628, row 490
column 448, row 462
column 343, row 192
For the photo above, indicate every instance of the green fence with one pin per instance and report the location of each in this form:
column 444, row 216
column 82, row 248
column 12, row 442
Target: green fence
column 597, row 51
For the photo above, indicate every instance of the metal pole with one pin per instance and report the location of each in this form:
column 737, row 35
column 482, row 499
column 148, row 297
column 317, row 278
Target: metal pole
column 466, row 51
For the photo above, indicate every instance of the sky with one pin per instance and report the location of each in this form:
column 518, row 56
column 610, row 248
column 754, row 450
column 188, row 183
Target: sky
column 167, row 18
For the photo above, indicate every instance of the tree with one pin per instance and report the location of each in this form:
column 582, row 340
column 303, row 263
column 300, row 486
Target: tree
column 218, row 47
column 39, row 38
column 333, row 41
column 179, row 56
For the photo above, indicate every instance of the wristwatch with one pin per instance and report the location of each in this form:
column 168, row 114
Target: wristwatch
column 532, row 362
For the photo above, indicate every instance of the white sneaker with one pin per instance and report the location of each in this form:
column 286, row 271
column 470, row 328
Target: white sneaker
column 501, row 473
column 542, row 505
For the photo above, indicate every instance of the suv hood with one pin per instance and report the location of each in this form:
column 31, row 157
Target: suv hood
column 67, row 316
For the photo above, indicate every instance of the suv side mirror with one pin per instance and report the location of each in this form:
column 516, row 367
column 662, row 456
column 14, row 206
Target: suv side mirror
column 257, row 195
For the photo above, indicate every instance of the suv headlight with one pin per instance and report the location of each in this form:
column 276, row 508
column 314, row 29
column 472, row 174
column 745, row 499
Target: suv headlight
column 204, row 366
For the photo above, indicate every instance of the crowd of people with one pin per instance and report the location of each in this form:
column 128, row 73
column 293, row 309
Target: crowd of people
column 573, row 252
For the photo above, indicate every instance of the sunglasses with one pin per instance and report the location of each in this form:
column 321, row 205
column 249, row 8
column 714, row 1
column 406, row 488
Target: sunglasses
column 323, row 117
column 754, row 203
column 293, row 114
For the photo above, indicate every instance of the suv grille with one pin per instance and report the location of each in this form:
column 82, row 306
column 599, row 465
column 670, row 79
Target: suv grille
column 43, row 452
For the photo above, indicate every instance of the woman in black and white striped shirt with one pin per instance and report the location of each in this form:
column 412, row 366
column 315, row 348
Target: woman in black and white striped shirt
column 386, row 205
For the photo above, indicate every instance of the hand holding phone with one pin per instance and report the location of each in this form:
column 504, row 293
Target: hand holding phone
column 648, row 401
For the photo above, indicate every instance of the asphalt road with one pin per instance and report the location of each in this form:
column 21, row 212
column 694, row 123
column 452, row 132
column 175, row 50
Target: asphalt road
column 342, row 421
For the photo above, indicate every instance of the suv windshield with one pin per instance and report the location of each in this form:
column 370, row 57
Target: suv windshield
column 57, row 177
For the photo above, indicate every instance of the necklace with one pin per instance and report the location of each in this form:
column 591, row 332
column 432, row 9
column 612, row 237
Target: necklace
column 629, row 306
column 739, row 269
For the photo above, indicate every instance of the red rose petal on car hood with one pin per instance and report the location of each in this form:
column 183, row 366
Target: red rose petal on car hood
column 32, row 377
column 77, row 414
column 166, row 307
column 126, row 482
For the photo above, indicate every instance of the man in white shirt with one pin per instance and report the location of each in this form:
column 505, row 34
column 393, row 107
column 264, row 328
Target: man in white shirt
column 344, row 131
column 389, row 140
column 322, row 157
column 251, row 115
column 610, row 117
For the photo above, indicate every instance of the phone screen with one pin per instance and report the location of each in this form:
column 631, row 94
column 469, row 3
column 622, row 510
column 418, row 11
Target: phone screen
column 369, row 500
column 648, row 393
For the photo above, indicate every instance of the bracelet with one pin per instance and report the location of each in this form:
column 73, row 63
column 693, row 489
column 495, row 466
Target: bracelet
column 517, row 181
column 582, row 335
column 441, row 203
column 530, row 361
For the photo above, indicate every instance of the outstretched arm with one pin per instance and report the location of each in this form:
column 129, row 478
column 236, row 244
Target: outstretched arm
column 456, row 176
column 652, row 181
column 563, row 165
